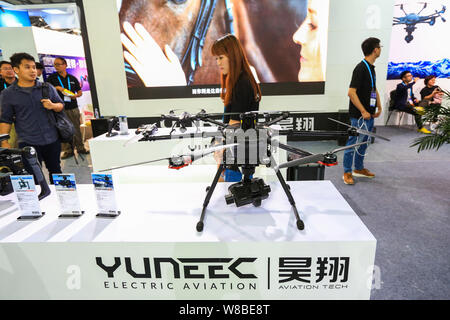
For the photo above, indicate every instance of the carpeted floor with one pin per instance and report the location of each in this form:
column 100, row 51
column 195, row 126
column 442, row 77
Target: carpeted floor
column 406, row 207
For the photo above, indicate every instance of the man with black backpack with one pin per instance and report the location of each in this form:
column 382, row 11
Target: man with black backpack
column 24, row 105
column 69, row 90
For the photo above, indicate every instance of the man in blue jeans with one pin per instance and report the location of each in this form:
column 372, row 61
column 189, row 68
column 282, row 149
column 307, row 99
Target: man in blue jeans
column 364, row 106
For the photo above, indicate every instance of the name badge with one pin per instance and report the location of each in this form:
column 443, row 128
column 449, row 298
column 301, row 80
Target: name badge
column 67, row 99
column 373, row 99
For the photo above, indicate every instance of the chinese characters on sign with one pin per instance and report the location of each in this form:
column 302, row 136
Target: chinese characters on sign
column 331, row 269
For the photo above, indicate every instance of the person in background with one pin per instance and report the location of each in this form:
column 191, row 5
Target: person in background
column 431, row 93
column 406, row 101
column 431, row 96
column 39, row 69
column 23, row 105
column 69, row 90
column 364, row 107
column 7, row 75
column 240, row 91
column 7, row 78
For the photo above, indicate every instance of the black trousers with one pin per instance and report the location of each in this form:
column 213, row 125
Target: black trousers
column 50, row 154
column 417, row 117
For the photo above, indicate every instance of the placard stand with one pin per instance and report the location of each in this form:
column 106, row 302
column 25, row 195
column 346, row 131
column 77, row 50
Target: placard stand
column 25, row 190
column 31, row 217
column 106, row 199
column 71, row 215
column 66, row 190
column 108, row 215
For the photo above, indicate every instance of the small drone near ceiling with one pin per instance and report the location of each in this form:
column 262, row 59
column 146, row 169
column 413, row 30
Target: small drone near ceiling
column 244, row 151
column 410, row 20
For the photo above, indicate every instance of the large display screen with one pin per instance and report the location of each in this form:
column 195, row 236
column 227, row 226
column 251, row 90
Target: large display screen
column 14, row 18
column 166, row 45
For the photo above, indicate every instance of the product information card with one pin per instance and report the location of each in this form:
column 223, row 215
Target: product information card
column 66, row 190
column 104, row 191
column 25, row 190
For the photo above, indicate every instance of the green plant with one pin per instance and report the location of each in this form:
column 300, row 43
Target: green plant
column 439, row 114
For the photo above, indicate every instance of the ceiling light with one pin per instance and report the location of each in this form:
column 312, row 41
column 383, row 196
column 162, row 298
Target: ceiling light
column 54, row 11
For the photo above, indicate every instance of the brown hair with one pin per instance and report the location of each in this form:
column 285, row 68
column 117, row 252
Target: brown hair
column 230, row 46
column 428, row 78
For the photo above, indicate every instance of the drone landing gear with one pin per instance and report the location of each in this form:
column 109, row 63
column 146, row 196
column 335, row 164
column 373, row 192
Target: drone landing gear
column 287, row 190
column 210, row 191
column 248, row 191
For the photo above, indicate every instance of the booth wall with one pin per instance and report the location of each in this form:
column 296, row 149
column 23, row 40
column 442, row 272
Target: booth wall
column 17, row 39
column 351, row 21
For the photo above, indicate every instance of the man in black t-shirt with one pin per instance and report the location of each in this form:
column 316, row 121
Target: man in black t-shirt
column 364, row 106
column 406, row 101
column 7, row 75
column 7, row 78
column 69, row 90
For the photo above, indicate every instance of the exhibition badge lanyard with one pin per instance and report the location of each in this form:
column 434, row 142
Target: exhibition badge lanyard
column 66, row 99
column 68, row 82
column 373, row 93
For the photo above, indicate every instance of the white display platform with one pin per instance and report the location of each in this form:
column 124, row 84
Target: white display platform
column 110, row 152
column 243, row 253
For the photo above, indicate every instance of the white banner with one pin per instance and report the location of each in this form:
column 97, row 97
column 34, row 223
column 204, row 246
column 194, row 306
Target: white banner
column 216, row 270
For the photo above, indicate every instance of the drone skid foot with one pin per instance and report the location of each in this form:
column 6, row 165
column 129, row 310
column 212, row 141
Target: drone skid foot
column 199, row 226
column 300, row 223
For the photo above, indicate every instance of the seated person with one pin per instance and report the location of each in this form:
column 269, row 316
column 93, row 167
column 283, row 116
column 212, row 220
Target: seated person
column 430, row 93
column 405, row 100
column 431, row 96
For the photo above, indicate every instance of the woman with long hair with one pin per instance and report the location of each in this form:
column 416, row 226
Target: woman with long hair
column 240, row 91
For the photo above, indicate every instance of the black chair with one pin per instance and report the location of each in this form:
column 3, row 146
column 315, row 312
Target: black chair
column 392, row 107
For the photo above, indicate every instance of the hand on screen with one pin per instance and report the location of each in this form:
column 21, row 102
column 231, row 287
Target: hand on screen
column 154, row 67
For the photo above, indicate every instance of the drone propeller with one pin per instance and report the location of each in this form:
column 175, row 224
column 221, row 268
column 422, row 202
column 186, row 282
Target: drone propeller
column 360, row 131
column 317, row 157
column 177, row 162
column 424, row 6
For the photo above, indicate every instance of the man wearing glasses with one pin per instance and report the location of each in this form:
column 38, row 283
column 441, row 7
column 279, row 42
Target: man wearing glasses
column 7, row 75
column 69, row 90
column 7, row 78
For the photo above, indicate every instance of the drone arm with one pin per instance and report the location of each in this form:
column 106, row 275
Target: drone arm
column 309, row 159
column 277, row 119
column 218, row 123
column 294, row 150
